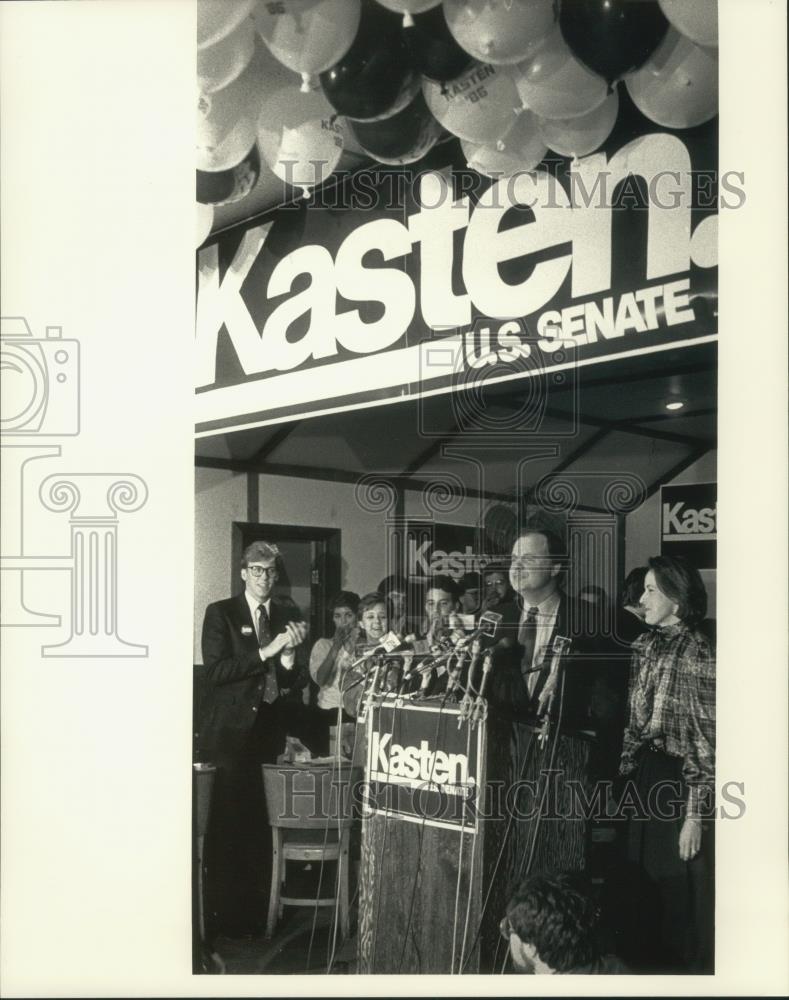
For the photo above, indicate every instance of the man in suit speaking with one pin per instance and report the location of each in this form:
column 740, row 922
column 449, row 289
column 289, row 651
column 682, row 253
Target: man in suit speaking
column 249, row 652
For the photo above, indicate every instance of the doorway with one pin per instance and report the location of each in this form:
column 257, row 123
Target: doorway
column 309, row 566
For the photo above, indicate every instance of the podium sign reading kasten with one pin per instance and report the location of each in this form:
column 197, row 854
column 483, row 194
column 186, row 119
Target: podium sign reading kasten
column 427, row 772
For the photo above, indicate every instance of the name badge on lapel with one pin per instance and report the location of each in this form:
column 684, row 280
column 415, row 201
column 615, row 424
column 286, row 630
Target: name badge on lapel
column 246, row 630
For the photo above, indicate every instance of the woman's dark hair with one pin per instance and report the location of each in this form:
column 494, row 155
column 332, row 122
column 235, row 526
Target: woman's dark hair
column 369, row 601
column 681, row 582
column 633, row 587
column 556, row 915
column 345, row 599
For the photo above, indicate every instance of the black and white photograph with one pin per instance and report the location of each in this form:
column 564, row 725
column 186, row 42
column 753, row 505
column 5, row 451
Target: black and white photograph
column 366, row 404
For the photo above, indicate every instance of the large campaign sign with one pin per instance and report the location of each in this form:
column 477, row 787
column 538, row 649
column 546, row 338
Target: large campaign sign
column 421, row 281
column 689, row 522
column 422, row 766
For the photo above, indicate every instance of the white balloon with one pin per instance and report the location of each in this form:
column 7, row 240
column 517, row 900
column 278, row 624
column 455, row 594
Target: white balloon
column 501, row 32
column 217, row 18
column 554, row 84
column 677, row 87
column 522, row 148
column 696, row 19
column 301, row 137
column 480, row 105
column 583, row 135
column 205, row 223
column 218, row 65
column 309, row 36
column 227, row 119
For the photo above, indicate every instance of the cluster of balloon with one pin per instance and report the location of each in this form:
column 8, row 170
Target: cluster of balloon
column 500, row 32
column 580, row 136
column 402, row 138
column 374, row 79
column 678, row 86
column 510, row 78
column 522, row 148
column 300, row 135
column 612, row 37
column 432, row 49
column 308, row 36
column 227, row 118
column 553, row 83
column 480, row 105
column 221, row 187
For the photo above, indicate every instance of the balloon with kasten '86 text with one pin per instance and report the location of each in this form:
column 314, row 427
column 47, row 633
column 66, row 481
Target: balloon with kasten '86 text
column 479, row 105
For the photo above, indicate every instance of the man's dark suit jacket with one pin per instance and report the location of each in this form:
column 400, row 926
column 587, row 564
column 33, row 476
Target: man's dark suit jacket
column 235, row 674
column 587, row 702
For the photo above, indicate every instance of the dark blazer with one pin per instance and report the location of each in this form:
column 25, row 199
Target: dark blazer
column 235, row 674
column 585, row 701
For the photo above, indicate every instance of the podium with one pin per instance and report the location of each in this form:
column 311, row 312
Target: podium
column 453, row 815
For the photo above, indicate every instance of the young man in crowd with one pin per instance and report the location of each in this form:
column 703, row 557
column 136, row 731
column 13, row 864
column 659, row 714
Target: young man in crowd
column 552, row 924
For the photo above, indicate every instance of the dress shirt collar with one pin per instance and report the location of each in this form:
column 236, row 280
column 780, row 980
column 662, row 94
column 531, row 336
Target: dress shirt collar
column 255, row 604
column 547, row 608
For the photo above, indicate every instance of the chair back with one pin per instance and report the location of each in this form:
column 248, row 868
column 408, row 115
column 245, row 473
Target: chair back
column 310, row 796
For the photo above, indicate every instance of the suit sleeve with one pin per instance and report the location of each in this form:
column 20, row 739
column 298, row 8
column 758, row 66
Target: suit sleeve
column 223, row 662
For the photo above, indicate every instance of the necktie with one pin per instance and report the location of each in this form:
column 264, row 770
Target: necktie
column 527, row 637
column 270, row 691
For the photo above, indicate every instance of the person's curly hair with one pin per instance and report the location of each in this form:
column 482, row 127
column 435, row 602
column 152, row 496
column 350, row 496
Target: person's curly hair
column 556, row 915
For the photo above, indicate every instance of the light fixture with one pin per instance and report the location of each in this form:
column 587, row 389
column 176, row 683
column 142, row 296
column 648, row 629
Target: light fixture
column 675, row 404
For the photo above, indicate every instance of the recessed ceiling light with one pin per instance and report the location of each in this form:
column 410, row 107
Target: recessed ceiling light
column 675, row 404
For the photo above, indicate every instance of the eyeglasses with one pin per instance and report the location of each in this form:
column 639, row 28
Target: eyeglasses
column 262, row 570
column 505, row 928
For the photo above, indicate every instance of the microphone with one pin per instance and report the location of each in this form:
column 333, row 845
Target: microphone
column 388, row 644
column 488, row 624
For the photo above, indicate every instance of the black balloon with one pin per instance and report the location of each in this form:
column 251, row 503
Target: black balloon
column 404, row 138
column 375, row 77
column 434, row 52
column 221, row 187
column 612, row 37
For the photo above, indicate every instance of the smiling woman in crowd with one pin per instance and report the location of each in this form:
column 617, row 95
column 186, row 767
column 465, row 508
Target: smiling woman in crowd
column 330, row 658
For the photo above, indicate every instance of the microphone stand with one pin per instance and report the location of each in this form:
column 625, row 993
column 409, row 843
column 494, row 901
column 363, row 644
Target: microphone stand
column 479, row 711
column 558, row 649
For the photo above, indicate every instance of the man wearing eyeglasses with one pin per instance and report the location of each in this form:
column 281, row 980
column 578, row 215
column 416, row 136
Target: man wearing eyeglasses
column 249, row 654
